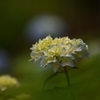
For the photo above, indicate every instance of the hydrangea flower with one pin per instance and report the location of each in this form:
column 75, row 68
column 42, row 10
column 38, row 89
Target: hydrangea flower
column 59, row 52
column 7, row 82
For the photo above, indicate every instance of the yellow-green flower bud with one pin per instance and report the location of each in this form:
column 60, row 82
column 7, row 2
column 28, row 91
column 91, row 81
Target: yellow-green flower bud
column 59, row 52
column 11, row 99
column 23, row 96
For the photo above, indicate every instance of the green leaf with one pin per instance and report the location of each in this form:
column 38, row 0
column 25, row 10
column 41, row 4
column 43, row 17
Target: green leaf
column 75, row 67
column 49, row 78
column 58, row 93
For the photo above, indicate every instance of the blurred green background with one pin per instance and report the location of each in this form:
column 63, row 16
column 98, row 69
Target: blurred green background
column 23, row 22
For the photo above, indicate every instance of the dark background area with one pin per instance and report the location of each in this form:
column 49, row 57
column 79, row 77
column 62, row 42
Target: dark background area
column 82, row 19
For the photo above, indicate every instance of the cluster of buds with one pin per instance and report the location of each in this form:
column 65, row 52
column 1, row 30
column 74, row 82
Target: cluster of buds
column 59, row 52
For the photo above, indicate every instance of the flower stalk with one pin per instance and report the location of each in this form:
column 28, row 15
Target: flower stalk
column 3, row 95
column 68, row 80
column 67, row 76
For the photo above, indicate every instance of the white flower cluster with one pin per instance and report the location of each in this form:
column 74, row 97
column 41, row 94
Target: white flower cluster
column 59, row 52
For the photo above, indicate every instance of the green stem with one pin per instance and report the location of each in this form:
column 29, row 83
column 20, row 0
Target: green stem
column 67, row 76
column 68, row 80
column 3, row 95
